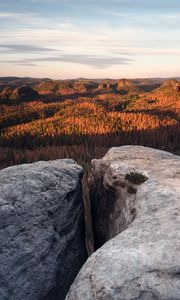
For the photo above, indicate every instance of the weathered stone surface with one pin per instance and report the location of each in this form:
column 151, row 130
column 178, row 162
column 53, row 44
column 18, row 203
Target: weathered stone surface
column 41, row 230
column 142, row 261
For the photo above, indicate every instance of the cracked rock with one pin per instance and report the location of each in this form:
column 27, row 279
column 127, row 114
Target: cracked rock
column 139, row 232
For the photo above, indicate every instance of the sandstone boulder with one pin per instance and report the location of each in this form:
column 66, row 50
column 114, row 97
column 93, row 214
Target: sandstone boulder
column 41, row 230
column 135, row 198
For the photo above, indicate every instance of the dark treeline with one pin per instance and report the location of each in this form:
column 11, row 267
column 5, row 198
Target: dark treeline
column 83, row 148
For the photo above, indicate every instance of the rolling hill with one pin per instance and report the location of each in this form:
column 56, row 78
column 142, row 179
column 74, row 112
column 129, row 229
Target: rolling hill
column 83, row 118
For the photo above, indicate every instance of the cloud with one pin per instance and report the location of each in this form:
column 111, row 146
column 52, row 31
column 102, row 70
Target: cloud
column 118, row 3
column 150, row 52
column 76, row 36
column 7, row 14
column 27, row 64
column 59, row 1
column 24, row 48
column 95, row 61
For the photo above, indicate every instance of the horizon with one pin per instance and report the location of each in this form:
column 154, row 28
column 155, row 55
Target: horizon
column 66, row 39
column 97, row 78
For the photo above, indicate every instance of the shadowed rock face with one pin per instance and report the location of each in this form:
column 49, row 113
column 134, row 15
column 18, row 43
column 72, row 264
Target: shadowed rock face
column 24, row 93
column 135, row 193
column 41, row 230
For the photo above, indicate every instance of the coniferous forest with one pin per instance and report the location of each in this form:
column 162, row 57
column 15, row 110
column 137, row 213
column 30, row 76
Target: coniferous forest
column 81, row 119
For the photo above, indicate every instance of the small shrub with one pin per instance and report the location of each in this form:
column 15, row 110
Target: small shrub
column 136, row 177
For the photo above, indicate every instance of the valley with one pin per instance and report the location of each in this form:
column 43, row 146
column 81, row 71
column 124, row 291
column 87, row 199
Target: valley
column 43, row 119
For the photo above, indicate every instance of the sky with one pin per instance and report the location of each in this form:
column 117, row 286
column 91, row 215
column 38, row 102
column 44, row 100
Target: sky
column 90, row 38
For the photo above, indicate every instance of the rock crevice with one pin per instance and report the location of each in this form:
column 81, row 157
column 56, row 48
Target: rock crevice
column 113, row 198
column 138, row 228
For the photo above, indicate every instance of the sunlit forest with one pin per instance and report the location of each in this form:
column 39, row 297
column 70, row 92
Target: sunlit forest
column 82, row 120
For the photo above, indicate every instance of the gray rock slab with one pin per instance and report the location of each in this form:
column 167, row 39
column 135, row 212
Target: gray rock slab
column 41, row 229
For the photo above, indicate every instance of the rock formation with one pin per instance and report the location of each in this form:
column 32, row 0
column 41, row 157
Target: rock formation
column 41, row 230
column 168, row 90
column 24, row 93
column 7, row 93
column 135, row 198
column 125, row 86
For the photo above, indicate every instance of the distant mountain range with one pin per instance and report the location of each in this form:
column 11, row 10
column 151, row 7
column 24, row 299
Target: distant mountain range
column 16, row 88
column 34, row 81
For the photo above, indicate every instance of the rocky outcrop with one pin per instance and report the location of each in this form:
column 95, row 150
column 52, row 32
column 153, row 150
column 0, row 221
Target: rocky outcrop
column 41, row 230
column 125, row 86
column 169, row 90
column 24, row 93
column 135, row 193
column 7, row 93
